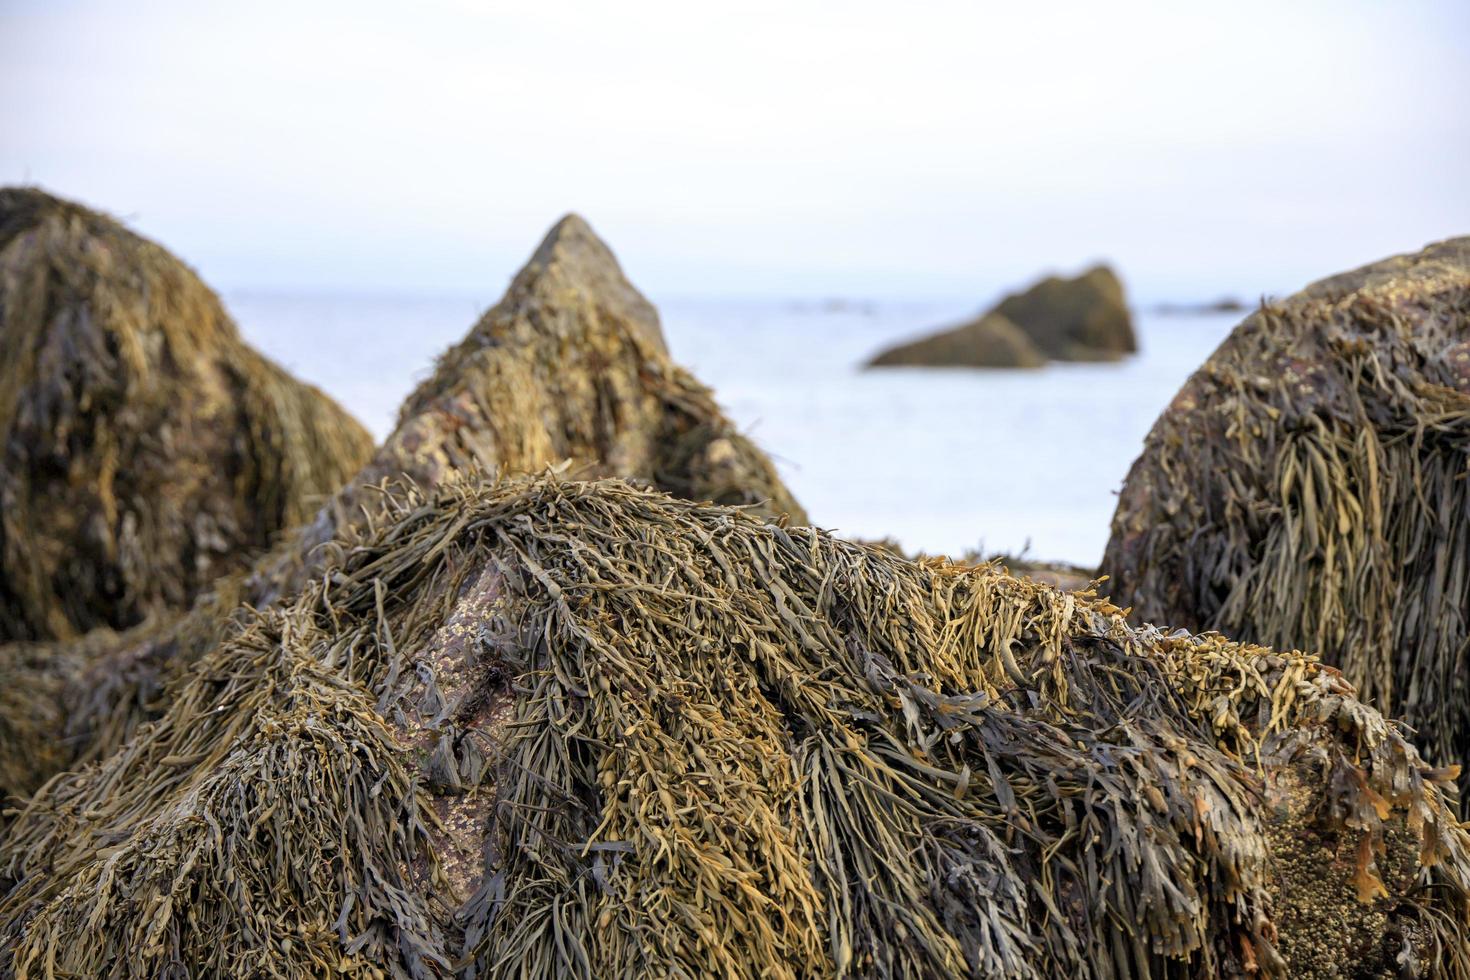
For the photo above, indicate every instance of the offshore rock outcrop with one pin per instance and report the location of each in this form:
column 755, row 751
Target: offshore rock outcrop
column 990, row 341
column 1081, row 319
column 1084, row 318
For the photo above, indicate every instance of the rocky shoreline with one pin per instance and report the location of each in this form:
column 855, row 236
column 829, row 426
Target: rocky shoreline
column 559, row 680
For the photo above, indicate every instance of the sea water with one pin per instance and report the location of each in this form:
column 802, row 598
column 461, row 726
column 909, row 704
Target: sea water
column 945, row 461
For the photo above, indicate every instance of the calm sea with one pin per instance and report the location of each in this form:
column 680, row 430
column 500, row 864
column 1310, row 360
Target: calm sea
column 945, row 461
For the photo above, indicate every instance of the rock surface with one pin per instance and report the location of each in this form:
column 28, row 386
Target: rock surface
column 990, row 341
column 1307, row 488
column 1080, row 319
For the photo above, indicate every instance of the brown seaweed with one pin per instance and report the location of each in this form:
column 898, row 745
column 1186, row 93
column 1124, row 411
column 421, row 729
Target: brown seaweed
column 1308, row 488
column 569, row 369
column 558, row 728
column 145, row 449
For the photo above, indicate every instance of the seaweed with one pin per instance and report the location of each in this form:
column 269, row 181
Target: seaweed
column 569, row 369
column 540, row 727
column 145, row 449
column 1307, row 488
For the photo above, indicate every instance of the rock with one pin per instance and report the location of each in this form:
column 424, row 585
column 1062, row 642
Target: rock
column 567, row 371
column 562, row 728
column 1307, row 488
column 1081, row 319
column 990, row 341
column 145, row 449
column 1226, row 304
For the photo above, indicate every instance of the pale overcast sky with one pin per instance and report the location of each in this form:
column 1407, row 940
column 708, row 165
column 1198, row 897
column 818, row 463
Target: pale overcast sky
column 791, row 148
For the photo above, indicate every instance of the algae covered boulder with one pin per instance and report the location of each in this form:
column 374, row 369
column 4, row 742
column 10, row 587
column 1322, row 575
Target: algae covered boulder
column 33, row 683
column 545, row 728
column 145, row 449
column 1308, row 488
column 989, row 341
column 568, row 370
column 1081, row 319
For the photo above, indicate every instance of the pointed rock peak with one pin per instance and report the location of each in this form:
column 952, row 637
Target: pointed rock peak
column 574, row 236
column 572, row 252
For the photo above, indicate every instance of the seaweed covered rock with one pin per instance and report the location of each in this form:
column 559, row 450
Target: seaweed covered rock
column 145, row 449
column 33, row 684
column 1308, row 488
column 582, row 729
column 1080, row 319
column 988, row 341
column 568, row 370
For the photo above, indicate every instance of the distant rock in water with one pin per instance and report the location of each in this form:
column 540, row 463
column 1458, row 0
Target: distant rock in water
column 1307, row 488
column 1226, row 304
column 145, row 449
column 1081, row 319
column 991, row 341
